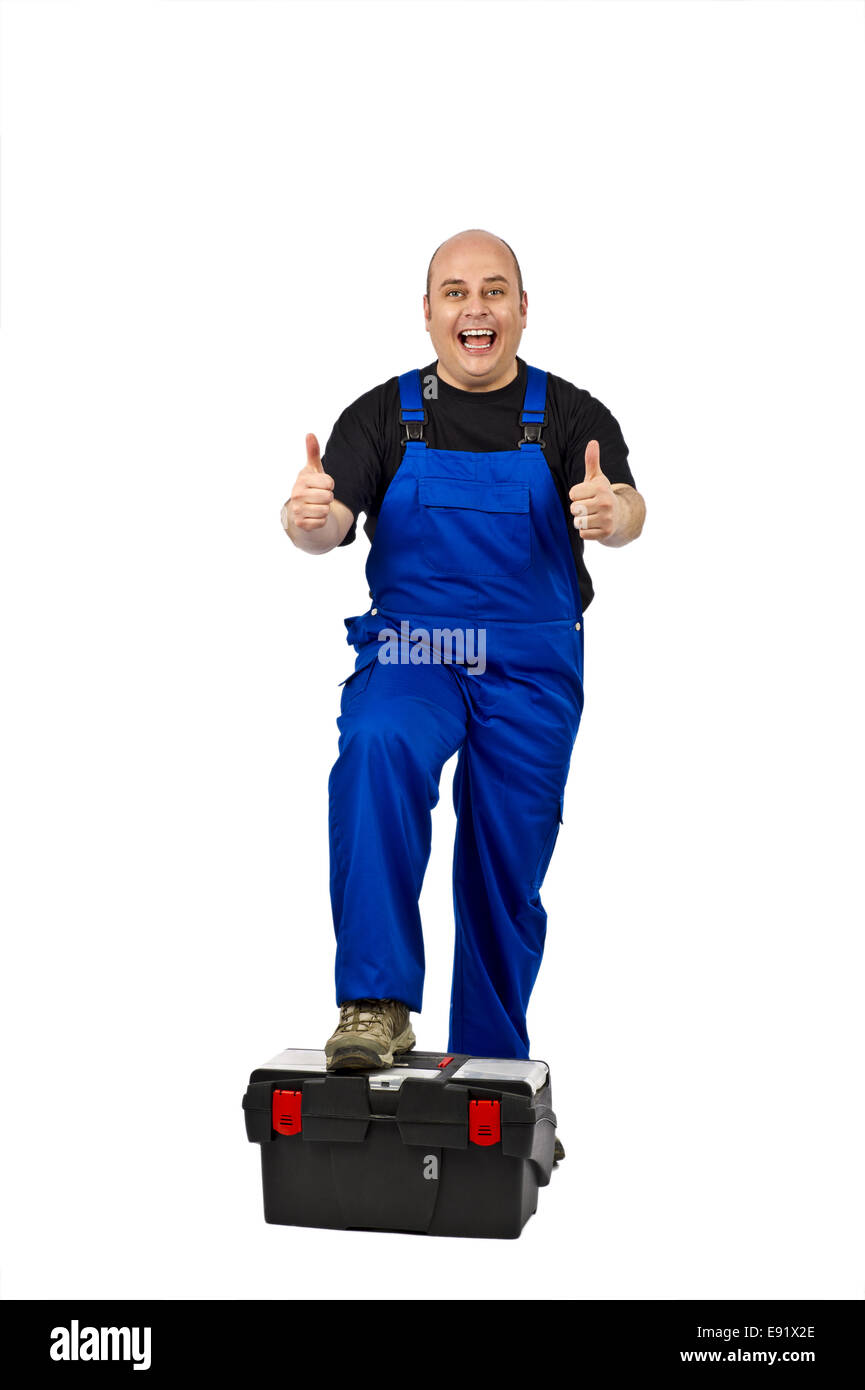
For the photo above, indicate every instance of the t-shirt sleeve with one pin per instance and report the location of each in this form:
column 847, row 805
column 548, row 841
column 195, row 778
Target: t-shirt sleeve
column 592, row 420
column 353, row 458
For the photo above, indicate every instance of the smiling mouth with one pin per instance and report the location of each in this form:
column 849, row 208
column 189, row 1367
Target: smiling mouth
column 477, row 341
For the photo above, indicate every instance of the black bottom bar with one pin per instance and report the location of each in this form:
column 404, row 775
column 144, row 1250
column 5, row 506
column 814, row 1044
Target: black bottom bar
column 250, row 1336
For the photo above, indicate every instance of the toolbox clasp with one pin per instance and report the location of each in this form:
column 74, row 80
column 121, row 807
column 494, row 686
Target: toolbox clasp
column 485, row 1122
column 286, row 1112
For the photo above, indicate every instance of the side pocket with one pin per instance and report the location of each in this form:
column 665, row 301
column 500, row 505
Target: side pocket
column 549, row 846
column 357, row 682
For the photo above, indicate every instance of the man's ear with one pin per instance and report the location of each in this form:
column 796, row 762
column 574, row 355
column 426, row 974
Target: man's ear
column 524, row 306
column 426, row 313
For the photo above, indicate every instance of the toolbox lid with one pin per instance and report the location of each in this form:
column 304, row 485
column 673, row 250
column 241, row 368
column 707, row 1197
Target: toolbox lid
column 417, row 1066
column 456, row 1103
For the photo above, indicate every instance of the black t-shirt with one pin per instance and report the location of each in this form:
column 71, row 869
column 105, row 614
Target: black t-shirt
column 364, row 450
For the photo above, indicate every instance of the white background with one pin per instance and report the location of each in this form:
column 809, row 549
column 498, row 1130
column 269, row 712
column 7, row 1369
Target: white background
column 216, row 222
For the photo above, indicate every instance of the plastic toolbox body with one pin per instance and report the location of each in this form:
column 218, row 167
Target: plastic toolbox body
column 443, row 1145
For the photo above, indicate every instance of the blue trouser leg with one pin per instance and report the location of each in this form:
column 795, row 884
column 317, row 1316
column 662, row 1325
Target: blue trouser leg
column 398, row 724
column 508, row 790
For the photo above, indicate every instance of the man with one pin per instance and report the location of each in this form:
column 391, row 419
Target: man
column 481, row 479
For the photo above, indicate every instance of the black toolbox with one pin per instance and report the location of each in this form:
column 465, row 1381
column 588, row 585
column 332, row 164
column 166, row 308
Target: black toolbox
column 441, row 1144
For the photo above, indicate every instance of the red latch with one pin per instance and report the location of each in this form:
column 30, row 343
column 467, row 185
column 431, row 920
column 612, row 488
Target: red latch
column 485, row 1121
column 286, row 1112
column 445, row 1061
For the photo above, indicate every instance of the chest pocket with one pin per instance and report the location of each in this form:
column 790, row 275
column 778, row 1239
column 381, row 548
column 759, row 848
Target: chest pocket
column 471, row 528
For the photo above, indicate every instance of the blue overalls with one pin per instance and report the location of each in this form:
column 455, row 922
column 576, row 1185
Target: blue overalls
column 474, row 543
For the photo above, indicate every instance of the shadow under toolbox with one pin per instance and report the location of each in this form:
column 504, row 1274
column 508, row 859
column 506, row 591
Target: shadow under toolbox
column 446, row 1145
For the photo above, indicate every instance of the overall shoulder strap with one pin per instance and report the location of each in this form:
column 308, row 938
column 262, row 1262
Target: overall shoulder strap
column 412, row 414
column 410, row 396
column 533, row 417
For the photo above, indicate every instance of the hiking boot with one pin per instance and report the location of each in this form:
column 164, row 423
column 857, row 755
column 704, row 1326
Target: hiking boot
column 558, row 1152
column 370, row 1033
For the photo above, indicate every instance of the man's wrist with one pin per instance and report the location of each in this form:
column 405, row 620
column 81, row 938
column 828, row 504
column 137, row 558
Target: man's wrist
column 629, row 514
column 317, row 541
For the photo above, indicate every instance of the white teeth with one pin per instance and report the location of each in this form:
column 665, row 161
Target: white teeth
column 477, row 332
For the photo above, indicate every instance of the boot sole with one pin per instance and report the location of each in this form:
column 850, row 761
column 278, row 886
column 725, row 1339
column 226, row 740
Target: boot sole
column 356, row 1057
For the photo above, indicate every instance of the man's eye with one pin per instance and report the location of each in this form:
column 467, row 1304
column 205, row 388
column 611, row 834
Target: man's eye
column 450, row 292
column 498, row 290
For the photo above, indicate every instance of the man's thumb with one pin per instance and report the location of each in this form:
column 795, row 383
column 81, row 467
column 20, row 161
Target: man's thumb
column 313, row 454
column 593, row 460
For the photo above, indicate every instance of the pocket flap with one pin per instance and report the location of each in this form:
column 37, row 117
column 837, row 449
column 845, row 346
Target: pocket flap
column 478, row 497
column 357, row 670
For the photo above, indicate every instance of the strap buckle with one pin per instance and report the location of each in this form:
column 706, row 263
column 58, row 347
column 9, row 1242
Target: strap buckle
column 532, row 434
column 414, row 429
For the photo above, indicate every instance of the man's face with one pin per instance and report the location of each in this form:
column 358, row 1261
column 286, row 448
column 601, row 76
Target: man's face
column 474, row 313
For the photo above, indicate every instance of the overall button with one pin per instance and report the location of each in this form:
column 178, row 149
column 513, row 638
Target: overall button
column 373, row 612
column 577, row 626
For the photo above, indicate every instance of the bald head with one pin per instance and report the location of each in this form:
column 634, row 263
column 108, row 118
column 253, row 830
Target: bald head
column 475, row 311
column 475, row 234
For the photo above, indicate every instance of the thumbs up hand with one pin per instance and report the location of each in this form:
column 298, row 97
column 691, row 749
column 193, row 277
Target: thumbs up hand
column 594, row 505
column 309, row 505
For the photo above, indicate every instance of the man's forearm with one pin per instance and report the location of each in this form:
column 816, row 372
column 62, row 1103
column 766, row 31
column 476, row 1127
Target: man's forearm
column 631, row 511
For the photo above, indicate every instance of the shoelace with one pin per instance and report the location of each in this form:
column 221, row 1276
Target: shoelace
column 360, row 1015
